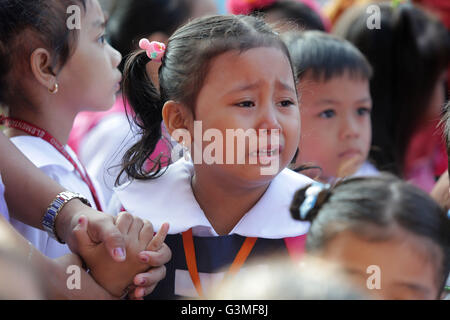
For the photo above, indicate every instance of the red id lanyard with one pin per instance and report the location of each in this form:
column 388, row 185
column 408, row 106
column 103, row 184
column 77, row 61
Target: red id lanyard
column 189, row 251
column 34, row 131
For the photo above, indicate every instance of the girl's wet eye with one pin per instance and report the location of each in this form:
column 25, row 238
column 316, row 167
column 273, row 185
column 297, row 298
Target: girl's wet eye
column 245, row 104
column 327, row 114
column 286, row 103
column 363, row 111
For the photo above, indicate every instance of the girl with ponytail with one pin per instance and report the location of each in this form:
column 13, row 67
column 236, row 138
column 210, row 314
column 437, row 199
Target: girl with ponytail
column 379, row 227
column 222, row 206
column 48, row 74
column 129, row 21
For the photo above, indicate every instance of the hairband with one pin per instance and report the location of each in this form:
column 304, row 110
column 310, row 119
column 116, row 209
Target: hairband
column 155, row 50
column 311, row 195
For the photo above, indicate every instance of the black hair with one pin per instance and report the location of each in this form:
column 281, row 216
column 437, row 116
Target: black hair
column 408, row 53
column 372, row 208
column 445, row 123
column 26, row 25
column 293, row 11
column 132, row 20
column 182, row 72
column 324, row 56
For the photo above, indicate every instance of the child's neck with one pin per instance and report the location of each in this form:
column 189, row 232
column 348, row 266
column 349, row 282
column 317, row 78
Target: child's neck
column 223, row 201
column 56, row 121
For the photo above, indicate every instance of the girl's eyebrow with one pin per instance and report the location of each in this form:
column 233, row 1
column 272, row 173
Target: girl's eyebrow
column 336, row 102
column 327, row 101
column 244, row 87
column 100, row 24
column 364, row 100
column 252, row 86
column 286, row 87
column 413, row 286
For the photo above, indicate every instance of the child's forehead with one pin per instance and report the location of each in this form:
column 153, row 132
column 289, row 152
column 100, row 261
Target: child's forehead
column 396, row 242
column 320, row 77
column 250, row 65
column 94, row 16
column 337, row 87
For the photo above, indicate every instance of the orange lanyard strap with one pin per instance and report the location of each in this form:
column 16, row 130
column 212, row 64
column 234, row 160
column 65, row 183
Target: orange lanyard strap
column 189, row 252
column 191, row 261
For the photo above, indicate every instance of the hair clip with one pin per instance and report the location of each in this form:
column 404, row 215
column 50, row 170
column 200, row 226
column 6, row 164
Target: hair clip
column 311, row 195
column 155, row 50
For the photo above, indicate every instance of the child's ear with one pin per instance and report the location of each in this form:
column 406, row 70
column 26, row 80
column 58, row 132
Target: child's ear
column 40, row 62
column 177, row 116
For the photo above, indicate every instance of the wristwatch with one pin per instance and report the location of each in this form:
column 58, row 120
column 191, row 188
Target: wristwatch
column 48, row 222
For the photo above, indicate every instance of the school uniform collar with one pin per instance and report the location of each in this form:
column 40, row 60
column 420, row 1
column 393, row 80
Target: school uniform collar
column 169, row 198
column 43, row 153
column 366, row 170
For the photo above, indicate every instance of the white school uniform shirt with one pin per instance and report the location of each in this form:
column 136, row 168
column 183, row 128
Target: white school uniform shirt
column 367, row 170
column 169, row 198
column 44, row 156
column 103, row 148
column 3, row 206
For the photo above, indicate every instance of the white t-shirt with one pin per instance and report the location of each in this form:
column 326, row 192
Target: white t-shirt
column 3, row 206
column 44, row 156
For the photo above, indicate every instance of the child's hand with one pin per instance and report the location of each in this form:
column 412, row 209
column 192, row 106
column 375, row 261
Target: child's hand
column 440, row 191
column 117, row 276
column 145, row 283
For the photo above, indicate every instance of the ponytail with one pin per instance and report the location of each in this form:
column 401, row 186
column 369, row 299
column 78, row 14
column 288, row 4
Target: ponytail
column 145, row 100
column 301, row 198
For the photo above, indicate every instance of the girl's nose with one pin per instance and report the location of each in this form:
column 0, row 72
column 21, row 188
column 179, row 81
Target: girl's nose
column 116, row 57
column 269, row 119
column 349, row 128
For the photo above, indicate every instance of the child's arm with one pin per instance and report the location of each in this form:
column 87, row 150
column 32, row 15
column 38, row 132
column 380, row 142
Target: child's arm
column 53, row 272
column 118, row 277
column 28, row 192
column 440, row 191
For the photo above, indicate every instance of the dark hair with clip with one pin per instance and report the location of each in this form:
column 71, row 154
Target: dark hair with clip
column 372, row 208
column 26, row 25
column 408, row 53
column 184, row 67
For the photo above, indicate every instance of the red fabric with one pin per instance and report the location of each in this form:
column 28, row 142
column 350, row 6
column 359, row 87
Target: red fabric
column 247, row 6
column 441, row 8
column 296, row 247
column 426, row 157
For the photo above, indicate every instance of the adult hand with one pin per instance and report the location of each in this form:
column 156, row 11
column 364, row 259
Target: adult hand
column 101, row 228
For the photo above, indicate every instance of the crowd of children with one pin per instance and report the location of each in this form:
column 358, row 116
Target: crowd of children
column 274, row 135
